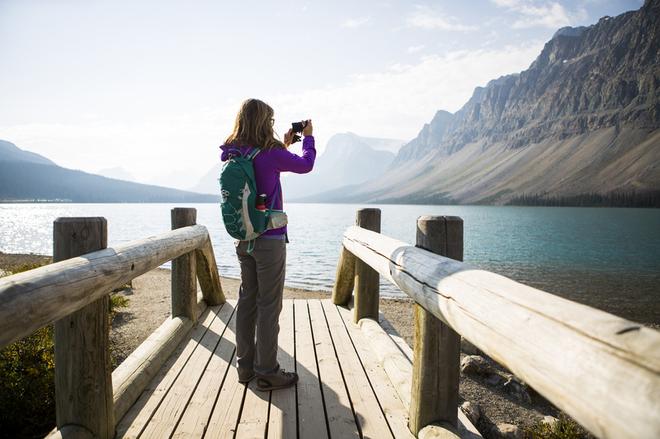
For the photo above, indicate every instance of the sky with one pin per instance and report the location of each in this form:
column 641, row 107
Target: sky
column 153, row 87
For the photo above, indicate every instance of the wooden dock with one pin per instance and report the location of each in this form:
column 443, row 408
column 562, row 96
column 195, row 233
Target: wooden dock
column 343, row 391
column 357, row 379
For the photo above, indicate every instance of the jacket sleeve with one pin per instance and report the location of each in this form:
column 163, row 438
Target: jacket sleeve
column 287, row 161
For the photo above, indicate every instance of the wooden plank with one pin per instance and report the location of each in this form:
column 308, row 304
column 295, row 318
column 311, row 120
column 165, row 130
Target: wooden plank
column 254, row 416
column 133, row 375
column 198, row 410
column 184, row 280
column 282, row 418
column 397, row 367
column 396, row 413
column 39, row 297
column 367, row 280
column 312, row 423
column 83, row 374
column 544, row 339
column 395, row 336
column 345, row 278
column 166, row 416
column 227, row 410
column 371, row 420
column 338, row 407
column 437, row 347
column 137, row 417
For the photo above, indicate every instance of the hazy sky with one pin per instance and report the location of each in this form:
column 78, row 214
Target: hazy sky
column 153, row 86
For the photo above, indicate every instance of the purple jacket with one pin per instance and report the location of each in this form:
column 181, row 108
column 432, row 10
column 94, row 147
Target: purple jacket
column 267, row 167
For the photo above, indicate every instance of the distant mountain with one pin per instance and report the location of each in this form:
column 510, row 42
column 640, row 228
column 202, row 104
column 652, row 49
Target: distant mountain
column 347, row 159
column 25, row 176
column 117, row 173
column 580, row 126
column 12, row 153
column 208, row 184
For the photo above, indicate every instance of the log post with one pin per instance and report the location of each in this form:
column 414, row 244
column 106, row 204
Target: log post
column 184, row 281
column 208, row 276
column 366, row 278
column 436, row 364
column 345, row 279
column 83, row 373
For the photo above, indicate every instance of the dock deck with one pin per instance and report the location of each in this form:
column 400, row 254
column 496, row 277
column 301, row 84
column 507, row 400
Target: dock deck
column 343, row 390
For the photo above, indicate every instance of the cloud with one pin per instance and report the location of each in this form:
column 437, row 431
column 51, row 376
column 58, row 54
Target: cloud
column 415, row 49
column 426, row 18
column 393, row 103
column 353, row 23
column 546, row 14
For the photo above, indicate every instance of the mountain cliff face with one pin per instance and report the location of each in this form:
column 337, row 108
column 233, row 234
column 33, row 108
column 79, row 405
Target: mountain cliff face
column 584, row 79
column 583, row 119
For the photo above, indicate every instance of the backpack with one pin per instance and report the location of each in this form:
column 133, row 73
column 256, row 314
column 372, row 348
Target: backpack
column 243, row 210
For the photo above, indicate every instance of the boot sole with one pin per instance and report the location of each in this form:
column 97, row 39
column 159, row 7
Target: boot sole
column 282, row 386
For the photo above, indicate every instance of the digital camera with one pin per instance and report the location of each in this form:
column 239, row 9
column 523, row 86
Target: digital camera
column 297, row 128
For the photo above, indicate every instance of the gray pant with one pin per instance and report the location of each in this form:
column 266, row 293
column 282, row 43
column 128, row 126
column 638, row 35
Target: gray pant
column 259, row 304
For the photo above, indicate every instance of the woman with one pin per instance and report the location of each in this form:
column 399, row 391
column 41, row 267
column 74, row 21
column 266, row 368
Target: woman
column 262, row 268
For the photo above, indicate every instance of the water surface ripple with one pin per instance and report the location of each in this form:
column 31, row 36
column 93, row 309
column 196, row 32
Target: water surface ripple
column 604, row 257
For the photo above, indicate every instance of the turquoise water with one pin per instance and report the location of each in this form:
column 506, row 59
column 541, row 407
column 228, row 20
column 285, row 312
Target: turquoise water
column 605, row 257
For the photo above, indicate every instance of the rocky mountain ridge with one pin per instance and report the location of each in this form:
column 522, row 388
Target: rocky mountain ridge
column 585, row 79
column 582, row 119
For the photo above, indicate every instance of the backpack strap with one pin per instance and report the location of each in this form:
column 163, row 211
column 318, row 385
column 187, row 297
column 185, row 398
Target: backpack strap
column 252, row 154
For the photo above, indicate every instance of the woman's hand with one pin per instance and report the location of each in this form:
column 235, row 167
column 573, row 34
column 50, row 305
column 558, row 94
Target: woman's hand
column 288, row 138
column 307, row 131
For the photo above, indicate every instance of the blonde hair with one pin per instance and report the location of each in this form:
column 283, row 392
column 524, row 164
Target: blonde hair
column 254, row 126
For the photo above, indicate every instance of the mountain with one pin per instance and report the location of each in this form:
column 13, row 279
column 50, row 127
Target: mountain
column 25, row 176
column 118, row 173
column 347, row 159
column 12, row 153
column 208, row 184
column 580, row 124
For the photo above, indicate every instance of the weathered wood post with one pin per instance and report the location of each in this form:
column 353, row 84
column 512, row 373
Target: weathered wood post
column 436, row 364
column 184, row 281
column 208, row 276
column 366, row 278
column 345, row 278
column 83, row 373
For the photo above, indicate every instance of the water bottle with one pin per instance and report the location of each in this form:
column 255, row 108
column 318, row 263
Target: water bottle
column 261, row 202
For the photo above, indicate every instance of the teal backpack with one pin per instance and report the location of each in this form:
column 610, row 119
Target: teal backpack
column 243, row 210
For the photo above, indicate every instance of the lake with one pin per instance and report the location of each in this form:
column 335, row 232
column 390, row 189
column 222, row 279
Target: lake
column 605, row 257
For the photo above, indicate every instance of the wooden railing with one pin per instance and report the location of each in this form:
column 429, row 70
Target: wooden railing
column 73, row 294
column 602, row 370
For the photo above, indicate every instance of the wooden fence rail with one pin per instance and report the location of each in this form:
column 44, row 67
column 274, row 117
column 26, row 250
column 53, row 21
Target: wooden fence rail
column 602, row 370
column 73, row 294
column 34, row 299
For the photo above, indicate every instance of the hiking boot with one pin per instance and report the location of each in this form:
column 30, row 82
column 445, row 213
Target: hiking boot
column 278, row 380
column 245, row 375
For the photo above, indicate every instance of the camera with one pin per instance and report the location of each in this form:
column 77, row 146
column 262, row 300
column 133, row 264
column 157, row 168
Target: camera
column 297, row 127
